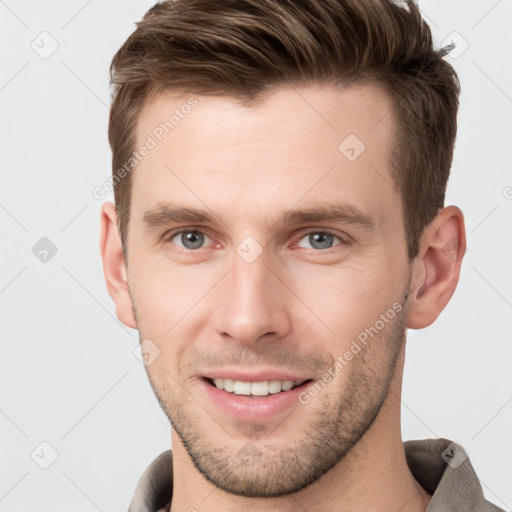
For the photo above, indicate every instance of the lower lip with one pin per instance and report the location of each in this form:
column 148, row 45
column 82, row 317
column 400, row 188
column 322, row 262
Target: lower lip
column 252, row 408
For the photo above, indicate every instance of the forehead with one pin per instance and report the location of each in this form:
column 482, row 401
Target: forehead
column 314, row 111
column 298, row 144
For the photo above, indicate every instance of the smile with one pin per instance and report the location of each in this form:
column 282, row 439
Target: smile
column 261, row 388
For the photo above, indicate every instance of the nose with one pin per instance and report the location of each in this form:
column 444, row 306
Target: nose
column 253, row 302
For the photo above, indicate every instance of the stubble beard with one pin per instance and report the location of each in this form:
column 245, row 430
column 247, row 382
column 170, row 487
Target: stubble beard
column 257, row 468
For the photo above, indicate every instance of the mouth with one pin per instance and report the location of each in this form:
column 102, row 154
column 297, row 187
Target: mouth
column 256, row 389
column 262, row 396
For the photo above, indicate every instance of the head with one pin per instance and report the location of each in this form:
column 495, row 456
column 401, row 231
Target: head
column 245, row 49
column 308, row 159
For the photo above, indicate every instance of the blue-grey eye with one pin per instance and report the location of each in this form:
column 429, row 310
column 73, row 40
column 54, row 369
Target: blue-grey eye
column 319, row 240
column 190, row 239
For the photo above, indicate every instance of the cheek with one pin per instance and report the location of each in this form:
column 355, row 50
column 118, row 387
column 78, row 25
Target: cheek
column 165, row 294
column 346, row 299
column 331, row 303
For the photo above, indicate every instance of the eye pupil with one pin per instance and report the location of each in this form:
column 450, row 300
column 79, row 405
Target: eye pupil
column 323, row 239
column 192, row 239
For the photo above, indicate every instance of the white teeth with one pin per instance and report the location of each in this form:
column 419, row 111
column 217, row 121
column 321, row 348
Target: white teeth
column 229, row 385
column 274, row 386
column 242, row 388
column 262, row 388
column 287, row 385
column 259, row 388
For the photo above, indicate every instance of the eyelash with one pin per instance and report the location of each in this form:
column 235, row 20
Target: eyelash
column 343, row 240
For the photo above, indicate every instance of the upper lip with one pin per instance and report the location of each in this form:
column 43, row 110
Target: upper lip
column 253, row 375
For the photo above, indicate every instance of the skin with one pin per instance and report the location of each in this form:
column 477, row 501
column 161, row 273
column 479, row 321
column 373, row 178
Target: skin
column 297, row 306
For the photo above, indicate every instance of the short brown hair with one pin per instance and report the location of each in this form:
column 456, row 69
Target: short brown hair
column 245, row 48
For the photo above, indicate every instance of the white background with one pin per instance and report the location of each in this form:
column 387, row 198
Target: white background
column 68, row 375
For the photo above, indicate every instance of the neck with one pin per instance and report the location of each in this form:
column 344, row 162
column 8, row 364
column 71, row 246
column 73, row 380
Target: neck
column 372, row 477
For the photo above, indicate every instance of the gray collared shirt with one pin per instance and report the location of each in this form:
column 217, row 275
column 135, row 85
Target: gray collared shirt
column 440, row 466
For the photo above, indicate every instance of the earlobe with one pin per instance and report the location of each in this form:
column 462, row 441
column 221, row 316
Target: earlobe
column 114, row 267
column 436, row 269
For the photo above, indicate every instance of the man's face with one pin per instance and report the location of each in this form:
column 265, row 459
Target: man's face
column 261, row 293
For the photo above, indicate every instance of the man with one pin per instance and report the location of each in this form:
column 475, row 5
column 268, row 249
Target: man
column 280, row 170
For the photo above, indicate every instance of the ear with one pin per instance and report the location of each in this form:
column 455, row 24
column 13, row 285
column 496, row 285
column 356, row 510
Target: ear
column 114, row 267
column 436, row 269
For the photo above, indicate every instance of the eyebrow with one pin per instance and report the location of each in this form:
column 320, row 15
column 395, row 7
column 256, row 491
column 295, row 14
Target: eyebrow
column 167, row 214
column 350, row 214
column 346, row 213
